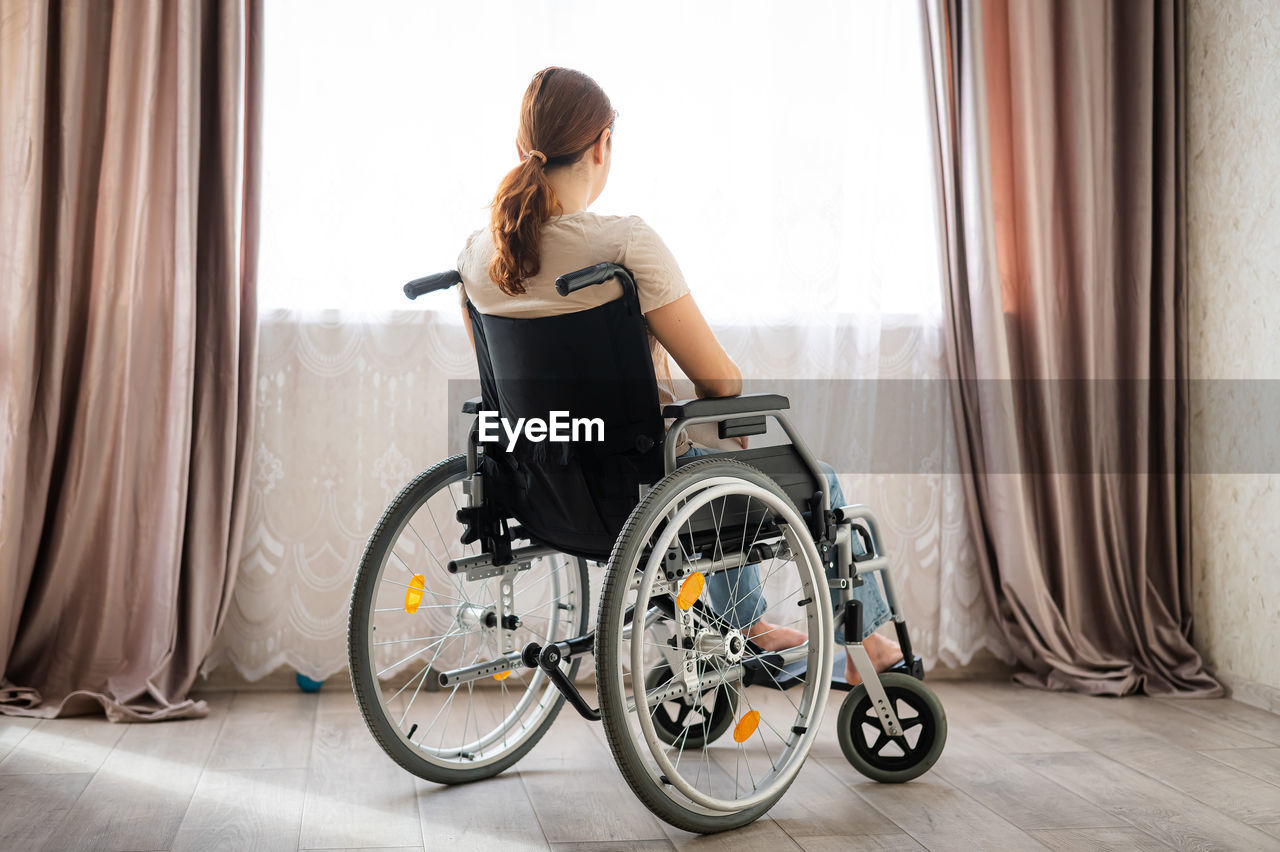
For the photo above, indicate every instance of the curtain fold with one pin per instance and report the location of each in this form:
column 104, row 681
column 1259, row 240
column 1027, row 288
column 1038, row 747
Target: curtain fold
column 1059, row 155
column 129, row 184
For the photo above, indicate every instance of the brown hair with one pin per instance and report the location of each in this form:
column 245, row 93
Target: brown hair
column 562, row 115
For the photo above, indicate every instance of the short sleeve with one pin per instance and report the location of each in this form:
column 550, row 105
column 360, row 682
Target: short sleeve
column 658, row 277
column 465, row 262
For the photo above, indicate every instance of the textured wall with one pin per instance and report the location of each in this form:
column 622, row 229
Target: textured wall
column 1233, row 83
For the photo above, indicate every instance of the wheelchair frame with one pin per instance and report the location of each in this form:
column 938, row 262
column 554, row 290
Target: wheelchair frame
column 850, row 575
column 830, row 531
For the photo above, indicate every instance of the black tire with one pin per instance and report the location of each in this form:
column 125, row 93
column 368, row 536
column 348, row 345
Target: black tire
column 364, row 680
column 897, row 759
column 698, row 733
column 629, row 753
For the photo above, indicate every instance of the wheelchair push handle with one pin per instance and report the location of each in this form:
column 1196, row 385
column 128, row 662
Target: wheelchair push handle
column 593, row 275
column 431, row 283
column 565, row 284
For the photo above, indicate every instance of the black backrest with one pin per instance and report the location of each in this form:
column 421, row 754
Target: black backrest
column 592, row 364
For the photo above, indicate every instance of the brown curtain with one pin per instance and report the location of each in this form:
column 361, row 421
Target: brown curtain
column 1060, row 156
column 128, row 205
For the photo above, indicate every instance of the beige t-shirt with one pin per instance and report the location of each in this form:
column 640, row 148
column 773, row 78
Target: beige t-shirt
column 570, row 243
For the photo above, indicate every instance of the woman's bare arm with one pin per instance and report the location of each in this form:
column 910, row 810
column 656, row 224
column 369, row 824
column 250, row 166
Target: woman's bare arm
column 683, row 331
column 466, row 323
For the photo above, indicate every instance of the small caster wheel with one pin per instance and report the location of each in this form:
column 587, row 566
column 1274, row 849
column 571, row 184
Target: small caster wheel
column 892, row 760
column 306, row 684
column 678, row 722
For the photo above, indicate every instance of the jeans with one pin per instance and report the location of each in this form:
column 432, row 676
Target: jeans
column 738, row 595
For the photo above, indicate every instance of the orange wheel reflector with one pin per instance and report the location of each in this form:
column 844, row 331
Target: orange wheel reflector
column 746, row 727
column 502, row 675
column 413, row 594
column 690, row 589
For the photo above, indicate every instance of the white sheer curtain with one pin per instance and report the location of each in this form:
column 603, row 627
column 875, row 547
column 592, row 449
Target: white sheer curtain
column 780, row 150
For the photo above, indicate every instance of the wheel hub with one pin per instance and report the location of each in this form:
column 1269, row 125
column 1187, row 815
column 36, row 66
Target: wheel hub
column 470, row 616
column 729, row 645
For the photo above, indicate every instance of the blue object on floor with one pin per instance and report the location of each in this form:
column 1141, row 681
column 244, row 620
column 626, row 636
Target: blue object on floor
column 306, row 684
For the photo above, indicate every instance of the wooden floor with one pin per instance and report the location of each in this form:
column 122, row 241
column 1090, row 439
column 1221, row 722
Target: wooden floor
column 1022, row 769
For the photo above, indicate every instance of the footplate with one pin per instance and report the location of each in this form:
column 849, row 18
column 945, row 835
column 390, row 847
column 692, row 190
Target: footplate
column 767, row 673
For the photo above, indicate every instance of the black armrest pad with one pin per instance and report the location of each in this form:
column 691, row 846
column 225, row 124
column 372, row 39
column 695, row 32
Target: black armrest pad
column 726, row 406
column 472, row 406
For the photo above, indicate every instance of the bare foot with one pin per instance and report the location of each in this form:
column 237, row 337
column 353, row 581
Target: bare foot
column 884, row 653
column 773, row 637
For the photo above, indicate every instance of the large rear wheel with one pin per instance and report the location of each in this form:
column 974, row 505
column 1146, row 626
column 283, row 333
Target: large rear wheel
column 412, row 621
column 689, row 537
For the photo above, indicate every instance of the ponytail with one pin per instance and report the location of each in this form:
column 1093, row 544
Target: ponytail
column 562, row 115
column 524, row 202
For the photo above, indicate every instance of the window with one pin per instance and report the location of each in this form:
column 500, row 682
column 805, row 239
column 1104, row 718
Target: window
column 781, row 150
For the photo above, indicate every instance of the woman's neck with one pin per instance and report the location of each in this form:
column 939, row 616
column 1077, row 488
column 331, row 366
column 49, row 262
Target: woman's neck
column 573, row 189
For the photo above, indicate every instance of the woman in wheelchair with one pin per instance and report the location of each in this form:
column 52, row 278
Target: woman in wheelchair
column 735, row 569
column 542, row 228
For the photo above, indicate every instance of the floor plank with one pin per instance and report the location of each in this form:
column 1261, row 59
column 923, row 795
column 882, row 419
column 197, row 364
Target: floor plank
column 356, row 795
column 373, row 849
column 1023, row 797
column 577, row 791
column 336, row 698
column 231, row 810
column 12, row 730
column 860, row 843
column 1177, row 726
column 142, row 790
column 1162, row 812
column 1098, row 840
column 937, row 815
column 763, row 835
column 615, row 846
column 286, row 771
column 1252, row 721
column 819, row 803
column 267, row 730
column 79, row 744
column 1263, row 763
column 1103, row 725
column 33, row 805
column 1001, row 728
column 1223, row 788
column 495, row 813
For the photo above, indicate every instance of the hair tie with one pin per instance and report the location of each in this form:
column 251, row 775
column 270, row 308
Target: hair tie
column 535, row 153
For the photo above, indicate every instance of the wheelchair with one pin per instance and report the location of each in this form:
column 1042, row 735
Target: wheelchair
column 469, row 612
